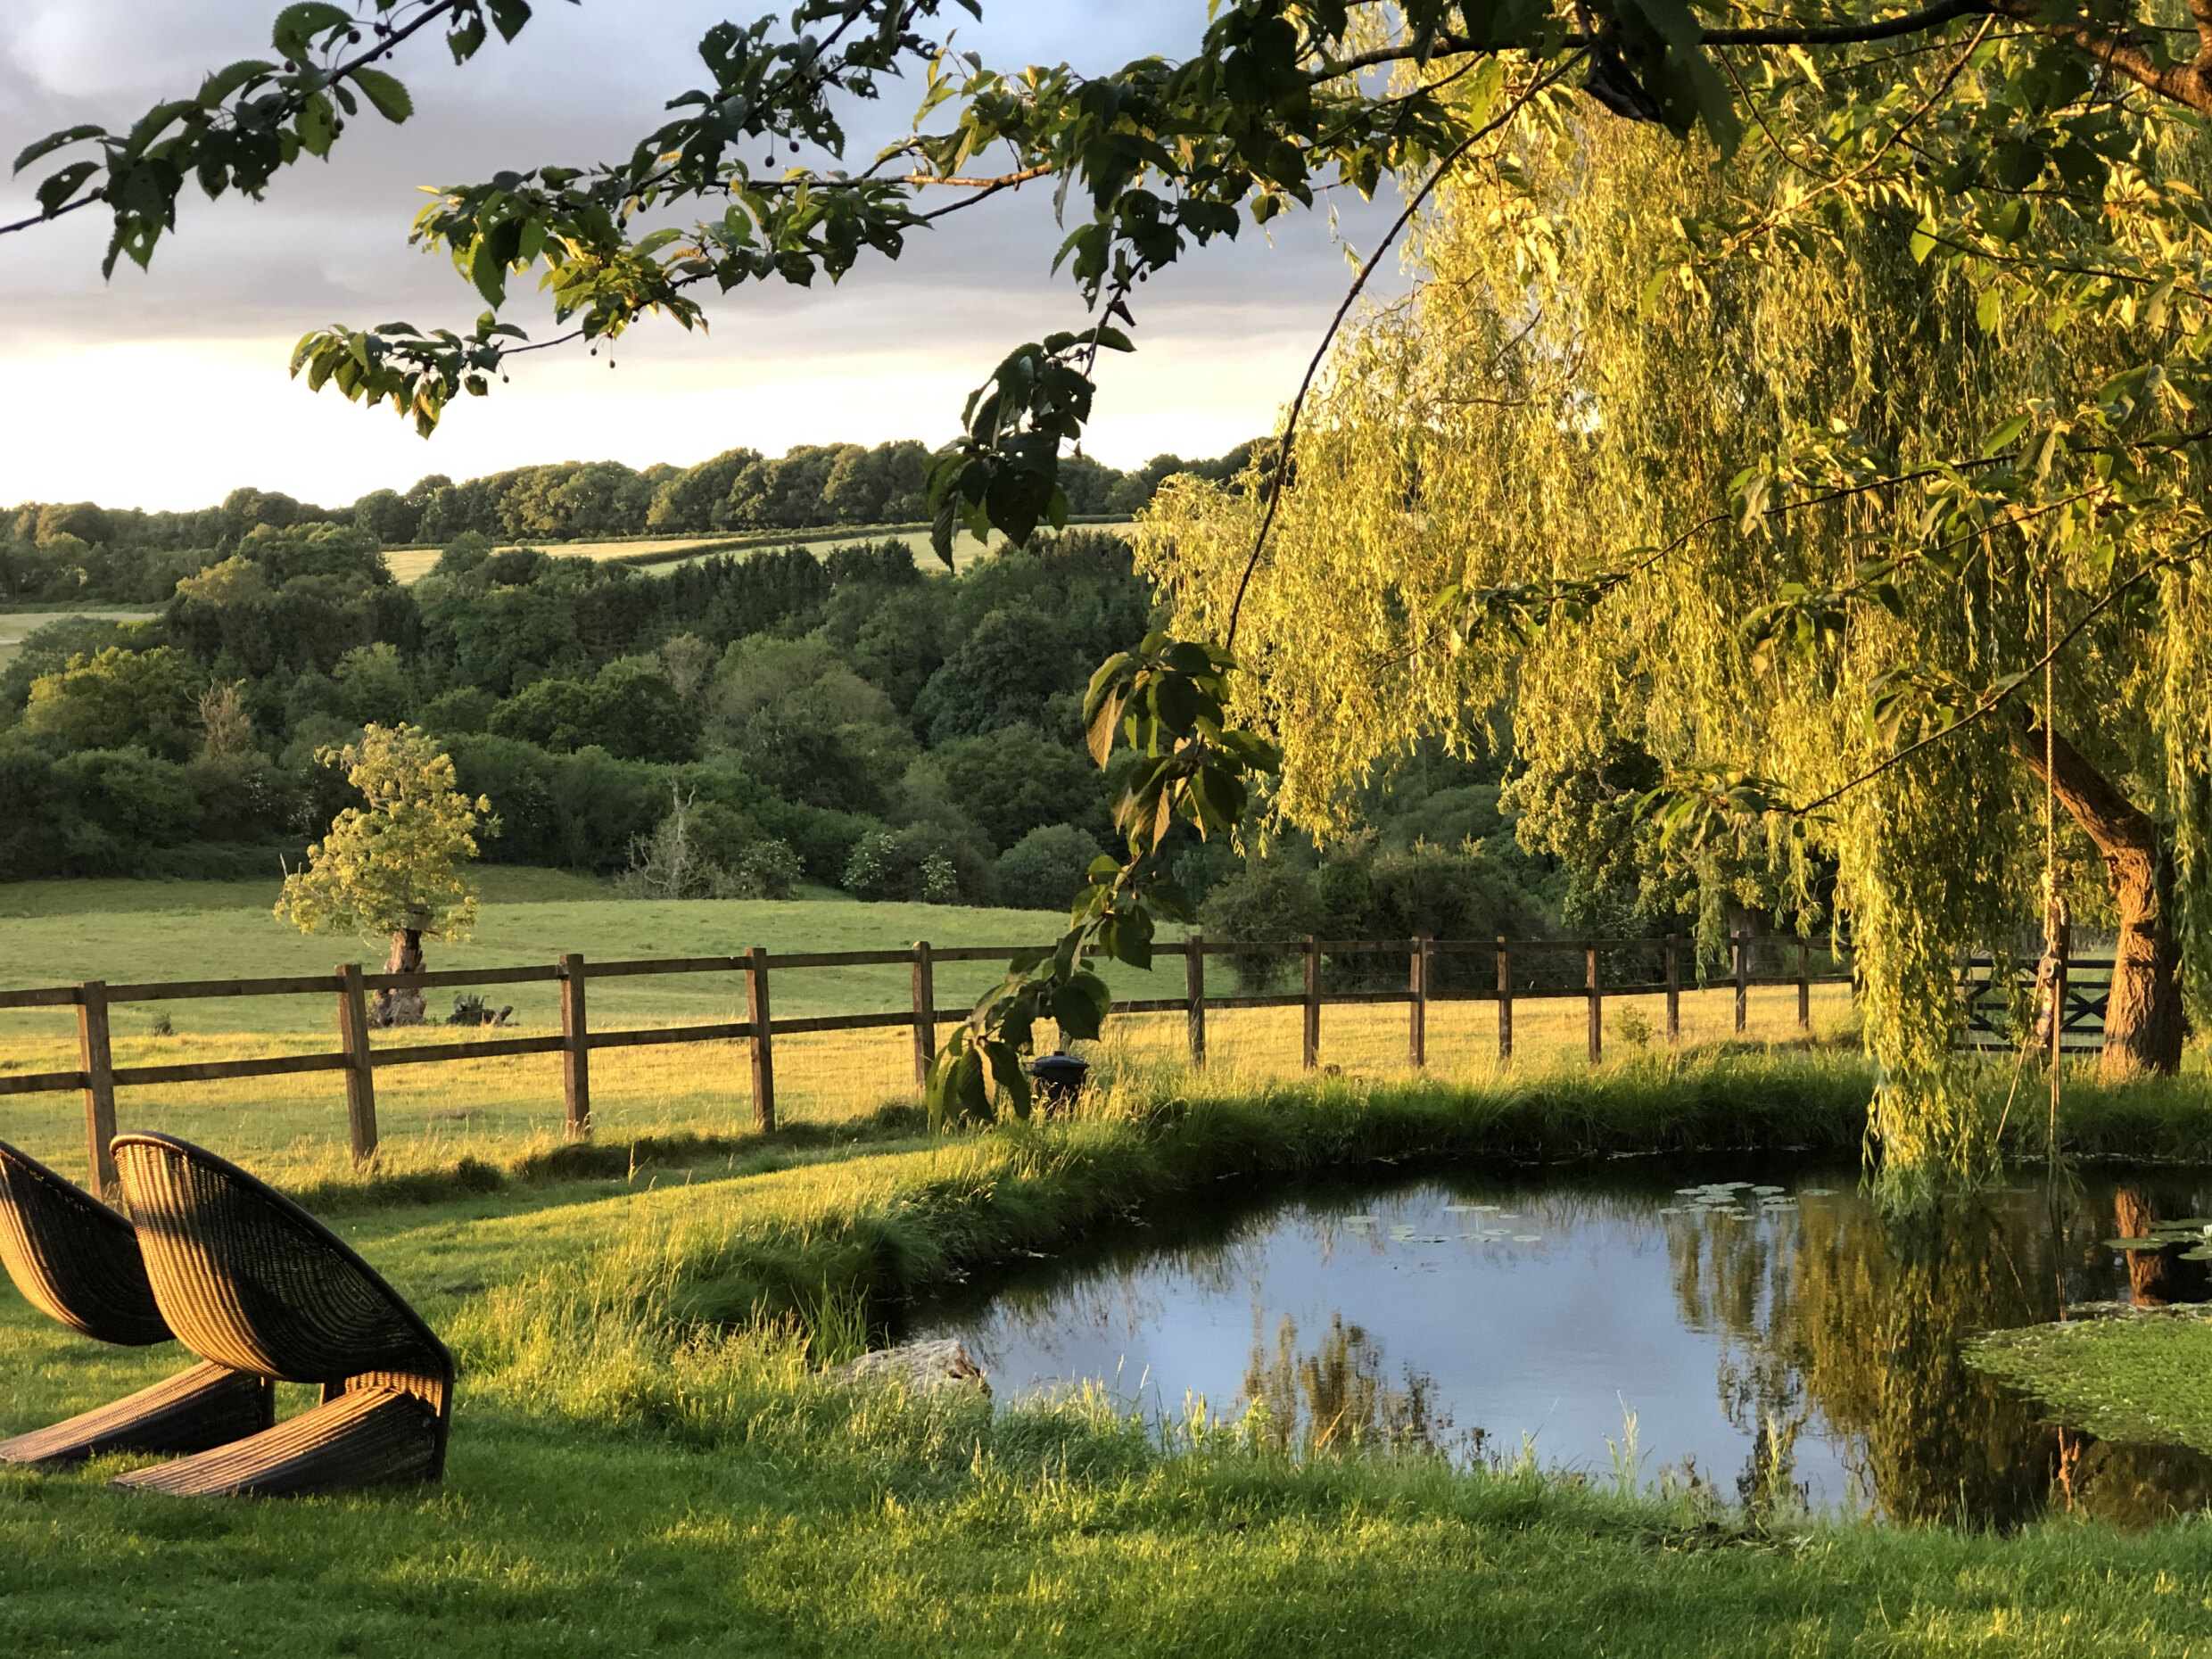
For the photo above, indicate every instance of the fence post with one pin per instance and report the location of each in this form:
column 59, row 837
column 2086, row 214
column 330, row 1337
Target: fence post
column 924, row 1012
column 1505, row 1003
column 576, row 1050
column 94, row 1051
column 1674, row 990
column 1312, row 1003
column 1417, row 1023
column 1596, row 1005
column 1804, row 984
column 361, row 1079
column 1194, row 994
column 1743, row 978
column 763, row 1059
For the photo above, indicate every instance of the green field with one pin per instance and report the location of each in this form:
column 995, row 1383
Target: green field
column 411, row 564
column 58, row 933
column 648, row 1459
column 16, row 626
column 648, row 1455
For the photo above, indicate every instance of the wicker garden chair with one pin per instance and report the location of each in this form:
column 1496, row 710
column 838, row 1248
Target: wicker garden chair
column 75, row 1258
column 248, row 1279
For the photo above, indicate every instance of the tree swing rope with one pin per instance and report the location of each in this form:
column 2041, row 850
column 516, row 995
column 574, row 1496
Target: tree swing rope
column 2058, row 923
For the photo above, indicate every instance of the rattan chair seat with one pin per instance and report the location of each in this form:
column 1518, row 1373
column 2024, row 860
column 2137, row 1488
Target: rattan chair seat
column 76, row 1260
column 248, row 1279
column 204, row 1406
column 367, row 1437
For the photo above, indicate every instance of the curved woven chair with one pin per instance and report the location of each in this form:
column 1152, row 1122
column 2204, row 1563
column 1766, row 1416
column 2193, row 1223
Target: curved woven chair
column 248, row 1279
column 76, row 1260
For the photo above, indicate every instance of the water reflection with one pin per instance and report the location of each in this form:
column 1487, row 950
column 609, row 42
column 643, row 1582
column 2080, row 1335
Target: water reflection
column 1777, row 1337
column 1335, row 1397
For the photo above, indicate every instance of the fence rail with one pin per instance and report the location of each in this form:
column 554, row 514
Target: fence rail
column 98, row 1077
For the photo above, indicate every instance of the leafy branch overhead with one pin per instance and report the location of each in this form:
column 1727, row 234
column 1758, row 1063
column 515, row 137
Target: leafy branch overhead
column 1167, row 700
column 1279, row 102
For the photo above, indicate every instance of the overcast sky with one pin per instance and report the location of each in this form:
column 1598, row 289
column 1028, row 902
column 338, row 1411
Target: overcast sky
column 168, row 388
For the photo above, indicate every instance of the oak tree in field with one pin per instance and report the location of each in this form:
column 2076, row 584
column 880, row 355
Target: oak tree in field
column 395, row 866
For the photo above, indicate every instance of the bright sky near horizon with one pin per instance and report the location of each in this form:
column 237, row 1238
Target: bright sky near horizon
column 168, row 388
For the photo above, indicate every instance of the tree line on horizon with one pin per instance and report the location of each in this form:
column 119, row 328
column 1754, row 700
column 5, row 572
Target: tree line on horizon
column 738, row 726
column 53, row 551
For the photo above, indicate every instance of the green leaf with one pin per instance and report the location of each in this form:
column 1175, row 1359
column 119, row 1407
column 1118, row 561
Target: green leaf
column 57, row 141
column 509, row 16
column 1989, row 310
column 226, row 81
column 294, row 32
column 488, row 270
column 2005, row 436
column 1923, row 241
column 945, row 528
column 54, row 192
column 1081, row 1004
column 315, row 125
column 386, row 93
column 1006, row 1071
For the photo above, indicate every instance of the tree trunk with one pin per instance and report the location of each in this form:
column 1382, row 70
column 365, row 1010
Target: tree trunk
column 2156, row 1278
column 400, row 1008
column 2142, row 1023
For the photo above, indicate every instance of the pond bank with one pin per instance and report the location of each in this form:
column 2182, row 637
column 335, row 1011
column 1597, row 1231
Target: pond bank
column 622, row 1464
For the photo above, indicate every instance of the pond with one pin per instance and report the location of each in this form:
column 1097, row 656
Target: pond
column 1768, row 1330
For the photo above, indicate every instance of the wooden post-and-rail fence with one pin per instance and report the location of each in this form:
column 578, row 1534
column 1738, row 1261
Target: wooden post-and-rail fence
column 98, row 1076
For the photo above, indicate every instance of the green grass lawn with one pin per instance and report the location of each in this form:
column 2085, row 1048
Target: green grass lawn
column 292, row 1127
column 646, row 1457
column 56, row 933
column 410, row 564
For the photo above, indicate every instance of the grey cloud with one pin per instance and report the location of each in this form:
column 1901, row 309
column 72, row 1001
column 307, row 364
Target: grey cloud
column 329, row 244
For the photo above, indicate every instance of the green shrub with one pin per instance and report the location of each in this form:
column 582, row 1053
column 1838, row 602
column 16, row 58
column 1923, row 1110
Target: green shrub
column 923, row 862
column 1046, row 868
column 1267, row 902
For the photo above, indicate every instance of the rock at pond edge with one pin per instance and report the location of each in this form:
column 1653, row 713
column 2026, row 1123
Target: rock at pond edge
column 941, row 1363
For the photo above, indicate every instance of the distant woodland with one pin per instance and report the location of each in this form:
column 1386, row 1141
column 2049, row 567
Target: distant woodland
column 78, row 550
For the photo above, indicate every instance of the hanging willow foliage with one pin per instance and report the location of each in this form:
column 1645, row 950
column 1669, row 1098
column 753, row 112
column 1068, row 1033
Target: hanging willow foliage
column 1583, row 481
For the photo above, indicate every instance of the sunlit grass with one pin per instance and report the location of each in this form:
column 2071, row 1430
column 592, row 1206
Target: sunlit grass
column 647, row 1455
column 431, row 1116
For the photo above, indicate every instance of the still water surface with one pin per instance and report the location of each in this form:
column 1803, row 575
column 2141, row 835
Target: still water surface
column 1768, row 1328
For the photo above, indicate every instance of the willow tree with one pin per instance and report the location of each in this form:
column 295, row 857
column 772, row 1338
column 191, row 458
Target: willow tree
column 1808, row 520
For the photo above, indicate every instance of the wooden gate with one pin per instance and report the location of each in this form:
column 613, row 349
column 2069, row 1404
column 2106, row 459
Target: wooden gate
column 1990, row 994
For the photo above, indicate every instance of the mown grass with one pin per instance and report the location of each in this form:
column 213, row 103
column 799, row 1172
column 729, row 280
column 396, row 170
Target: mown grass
column 432, row 1116
column 198, row 931
column 646, row 1459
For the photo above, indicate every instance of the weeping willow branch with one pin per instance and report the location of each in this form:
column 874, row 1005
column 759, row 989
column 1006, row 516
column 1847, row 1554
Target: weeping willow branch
column 1359, row 283
column 1993, row 701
